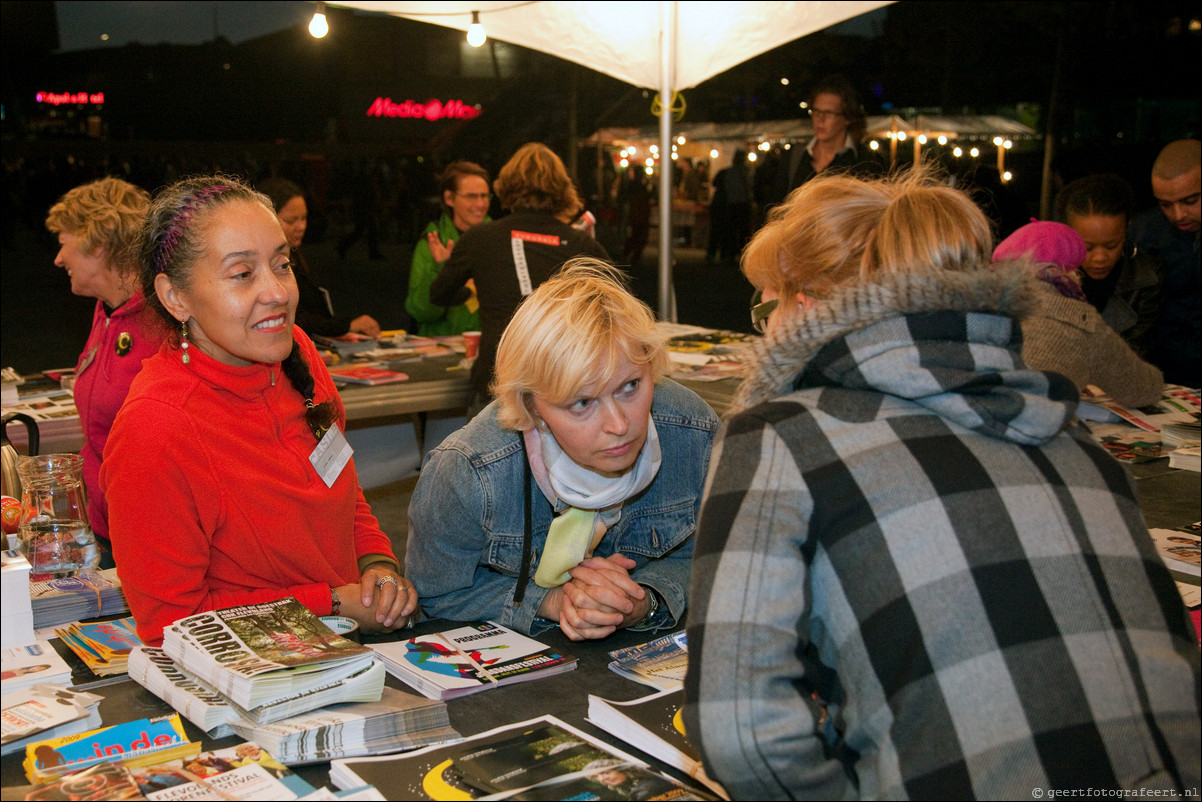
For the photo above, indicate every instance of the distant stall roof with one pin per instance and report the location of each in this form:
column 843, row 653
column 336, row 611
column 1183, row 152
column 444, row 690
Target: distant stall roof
column 795, row 130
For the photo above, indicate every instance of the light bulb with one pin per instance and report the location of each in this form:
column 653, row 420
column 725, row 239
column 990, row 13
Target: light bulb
column 475, row 31
column 318, row 27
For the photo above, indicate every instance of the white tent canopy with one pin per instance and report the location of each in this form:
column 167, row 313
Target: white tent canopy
column 666, row 45
column 621, row 39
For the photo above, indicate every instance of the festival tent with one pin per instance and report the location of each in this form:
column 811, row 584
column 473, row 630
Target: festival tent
column 666, row 45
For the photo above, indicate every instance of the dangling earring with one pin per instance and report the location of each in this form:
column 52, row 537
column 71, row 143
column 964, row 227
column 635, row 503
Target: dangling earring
column 184, row 344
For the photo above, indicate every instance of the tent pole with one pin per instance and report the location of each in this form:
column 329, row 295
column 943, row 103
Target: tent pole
column 667, row 80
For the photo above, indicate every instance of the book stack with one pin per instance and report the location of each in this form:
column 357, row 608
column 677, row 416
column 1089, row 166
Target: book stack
column 272, row 660
column 469, row 659
column 103, row 646
column 397, row 722
column 543, row 758
column 17, row 614
column 46, row 710
column 141, row 742
column 60, row 601
column 654, row 725
column 366, row 374
column 31, row 663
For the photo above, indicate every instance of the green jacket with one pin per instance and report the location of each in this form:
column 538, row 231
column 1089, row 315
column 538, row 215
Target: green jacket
column 433, row 319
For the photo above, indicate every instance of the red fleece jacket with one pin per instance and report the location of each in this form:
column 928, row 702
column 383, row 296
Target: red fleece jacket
column 212, row 499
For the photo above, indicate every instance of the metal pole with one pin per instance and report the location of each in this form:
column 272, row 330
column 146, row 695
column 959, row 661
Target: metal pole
column 667, row 80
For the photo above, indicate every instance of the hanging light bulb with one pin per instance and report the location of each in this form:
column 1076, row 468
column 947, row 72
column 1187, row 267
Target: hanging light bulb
column 318, row 27
column 475, row 31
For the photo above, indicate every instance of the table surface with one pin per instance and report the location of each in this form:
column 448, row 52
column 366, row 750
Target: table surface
column 564, row 696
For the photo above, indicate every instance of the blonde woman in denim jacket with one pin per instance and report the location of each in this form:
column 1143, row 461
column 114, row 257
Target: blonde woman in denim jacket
column 550, row 507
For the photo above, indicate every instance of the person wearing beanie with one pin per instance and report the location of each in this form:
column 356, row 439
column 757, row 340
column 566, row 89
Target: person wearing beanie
column 1066, row 335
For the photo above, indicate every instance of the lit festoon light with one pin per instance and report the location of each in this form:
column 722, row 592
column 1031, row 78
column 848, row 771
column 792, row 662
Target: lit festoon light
column 475, row 32
column 318, row 27
column 874, row 145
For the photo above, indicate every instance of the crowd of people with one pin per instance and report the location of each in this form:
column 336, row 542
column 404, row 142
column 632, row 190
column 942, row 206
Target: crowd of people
column 901, row 509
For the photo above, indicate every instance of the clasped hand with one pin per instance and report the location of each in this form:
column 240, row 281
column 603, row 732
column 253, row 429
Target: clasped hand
column 599, row 599
column 379, row 607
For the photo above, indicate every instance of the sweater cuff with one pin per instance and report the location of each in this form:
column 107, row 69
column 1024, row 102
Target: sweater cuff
column 370, row 559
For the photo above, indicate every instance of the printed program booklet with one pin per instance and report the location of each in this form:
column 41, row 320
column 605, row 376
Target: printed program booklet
column 31, row 663
column 256, row 654
column 660, row 663
column 654, row 725
column 133, row 743
column 45, row 711
column 539, row 759
column 468, row 659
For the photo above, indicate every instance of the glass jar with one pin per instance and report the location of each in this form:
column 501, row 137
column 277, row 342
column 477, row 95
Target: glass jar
column 54, row 533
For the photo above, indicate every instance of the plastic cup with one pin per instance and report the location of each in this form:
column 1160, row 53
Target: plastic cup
column 471, row 341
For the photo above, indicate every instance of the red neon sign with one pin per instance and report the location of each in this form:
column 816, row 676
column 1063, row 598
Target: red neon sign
column 430, row 110
column 59, row 98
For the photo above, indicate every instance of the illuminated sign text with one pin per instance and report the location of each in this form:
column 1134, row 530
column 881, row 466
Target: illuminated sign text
column 430, row 110
column 59, row 98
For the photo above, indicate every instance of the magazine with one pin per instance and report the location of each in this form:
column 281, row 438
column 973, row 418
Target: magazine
column 100, row 782
column 468, row 659
column 260, row 653
column 31, row 663
column 133, row 743
column 397, row 722
column 245, row 771
column 46, row 710
column 366, row 374
column 201, row 704
column 542, row 758
column 660, row 663
column 1180, row 549
column 653, row 724
column 77, row 598
column 104, row 646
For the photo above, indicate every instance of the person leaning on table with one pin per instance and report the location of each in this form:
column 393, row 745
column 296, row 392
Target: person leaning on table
column 571, row 499
column 217, row 493
column 95, row 224
column 916, row 577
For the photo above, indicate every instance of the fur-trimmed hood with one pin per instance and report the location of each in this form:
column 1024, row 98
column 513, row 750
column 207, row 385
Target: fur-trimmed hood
column 947, row 341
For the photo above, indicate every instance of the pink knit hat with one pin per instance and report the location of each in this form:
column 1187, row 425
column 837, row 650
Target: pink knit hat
column 1056, row 249
column 1046, row 242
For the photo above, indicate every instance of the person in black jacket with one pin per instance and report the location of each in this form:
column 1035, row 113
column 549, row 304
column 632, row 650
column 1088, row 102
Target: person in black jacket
column 315, row 311
column 510, row 257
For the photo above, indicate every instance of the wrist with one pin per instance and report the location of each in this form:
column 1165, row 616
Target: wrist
column 653, row 605
column 335, row 602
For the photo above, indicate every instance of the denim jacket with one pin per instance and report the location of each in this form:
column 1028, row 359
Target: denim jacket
column 467, row 518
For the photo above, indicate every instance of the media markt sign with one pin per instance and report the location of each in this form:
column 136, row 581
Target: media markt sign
column 432, row 109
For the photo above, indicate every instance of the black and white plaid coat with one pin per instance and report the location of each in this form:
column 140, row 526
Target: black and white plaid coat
column 916, row 577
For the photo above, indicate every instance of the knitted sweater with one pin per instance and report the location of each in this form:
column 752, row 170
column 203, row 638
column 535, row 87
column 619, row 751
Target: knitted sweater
column 1070, row 337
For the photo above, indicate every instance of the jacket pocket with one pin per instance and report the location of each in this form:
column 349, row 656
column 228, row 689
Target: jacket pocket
column 504, row 554
column 654, row 533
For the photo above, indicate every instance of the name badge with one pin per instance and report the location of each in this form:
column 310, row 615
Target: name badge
column 332, row 454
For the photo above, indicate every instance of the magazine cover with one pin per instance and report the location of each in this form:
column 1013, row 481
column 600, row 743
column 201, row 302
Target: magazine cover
column 660, row 663
column 454, row 662
column 543, row 758
column 31, row 663
column 244, row 771
column 201, row 704
column 125, row 742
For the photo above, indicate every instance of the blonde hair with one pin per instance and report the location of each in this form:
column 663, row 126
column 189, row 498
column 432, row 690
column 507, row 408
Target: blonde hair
column 534, row 179
column 103, row 214
column 570, row 333
column 835, row 231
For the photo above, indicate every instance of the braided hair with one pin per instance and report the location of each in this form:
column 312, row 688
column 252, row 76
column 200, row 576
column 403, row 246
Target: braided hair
column 170, row 243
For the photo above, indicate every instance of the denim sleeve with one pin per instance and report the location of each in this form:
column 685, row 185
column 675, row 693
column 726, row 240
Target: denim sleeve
column 447, row 553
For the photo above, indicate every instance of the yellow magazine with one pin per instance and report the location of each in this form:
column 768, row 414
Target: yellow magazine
column 142, row 742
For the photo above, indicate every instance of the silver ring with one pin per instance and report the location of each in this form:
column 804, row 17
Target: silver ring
column 385, row 581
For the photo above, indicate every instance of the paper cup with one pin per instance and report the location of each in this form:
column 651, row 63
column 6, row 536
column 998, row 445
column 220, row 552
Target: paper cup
column 471, row 341
column 346, row 627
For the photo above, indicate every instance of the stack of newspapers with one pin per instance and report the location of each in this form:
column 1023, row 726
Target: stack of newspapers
column 77, row 598
column 272, row 660
column 327, row 697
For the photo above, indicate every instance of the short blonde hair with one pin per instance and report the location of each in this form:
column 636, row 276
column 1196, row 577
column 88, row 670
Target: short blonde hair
column 836, row 231
column 534, row 179
column 570, row 333
column 103, row 214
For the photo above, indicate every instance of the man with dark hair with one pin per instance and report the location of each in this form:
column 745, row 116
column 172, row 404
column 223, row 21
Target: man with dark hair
column 838, row 143
column 1171, row 233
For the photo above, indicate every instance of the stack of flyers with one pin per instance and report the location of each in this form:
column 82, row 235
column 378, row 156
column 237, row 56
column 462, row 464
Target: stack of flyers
column 46, row 711
column 141, row 742
column 104, row 646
